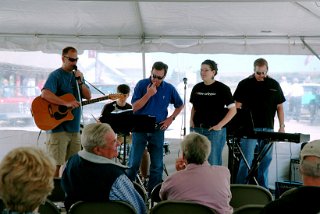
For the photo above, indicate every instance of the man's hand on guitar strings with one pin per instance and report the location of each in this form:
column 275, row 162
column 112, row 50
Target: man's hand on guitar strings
column 73, row 104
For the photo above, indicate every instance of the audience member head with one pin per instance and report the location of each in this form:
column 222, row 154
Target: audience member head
column 26, row 178
column 100, row 139
column 195, row 148
column 310, row 163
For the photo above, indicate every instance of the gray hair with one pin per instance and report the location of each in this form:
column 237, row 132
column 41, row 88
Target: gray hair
column 196, row 148
column 310, row 168
column 93, row 135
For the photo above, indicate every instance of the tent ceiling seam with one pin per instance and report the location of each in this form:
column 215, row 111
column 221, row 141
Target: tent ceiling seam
column 161, row 37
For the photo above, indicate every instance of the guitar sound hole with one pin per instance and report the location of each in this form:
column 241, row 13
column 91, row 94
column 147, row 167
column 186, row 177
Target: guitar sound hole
column 59, row 116
column 62, row 108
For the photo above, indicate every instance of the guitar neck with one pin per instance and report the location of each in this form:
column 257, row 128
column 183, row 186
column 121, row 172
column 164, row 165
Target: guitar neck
column 95, row 100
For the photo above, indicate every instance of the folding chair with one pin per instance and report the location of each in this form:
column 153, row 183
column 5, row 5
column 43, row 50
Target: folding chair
column 48, row 208
column 2, row 206
column 155, row 194
column 141, row 191
column 249, row 209
column 110, row 207
column 57, row 194
column 243, row 194
column 180, row 207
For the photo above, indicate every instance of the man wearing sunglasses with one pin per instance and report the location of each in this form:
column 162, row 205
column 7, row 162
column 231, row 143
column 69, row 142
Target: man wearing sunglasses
column 64, row 140
column 152, row 96
column 261, row 96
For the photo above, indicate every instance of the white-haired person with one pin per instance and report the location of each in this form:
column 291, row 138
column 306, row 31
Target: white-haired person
column 304, row 199
column 26, row 179
column 196, row 180
column 93, row 175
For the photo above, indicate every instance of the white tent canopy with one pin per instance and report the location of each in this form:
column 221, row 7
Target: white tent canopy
column 241, row 27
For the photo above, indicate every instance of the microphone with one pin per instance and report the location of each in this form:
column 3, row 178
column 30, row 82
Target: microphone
column 75, row 68
column 185, row 80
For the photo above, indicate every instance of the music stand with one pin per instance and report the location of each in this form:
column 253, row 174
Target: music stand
column 124, row 122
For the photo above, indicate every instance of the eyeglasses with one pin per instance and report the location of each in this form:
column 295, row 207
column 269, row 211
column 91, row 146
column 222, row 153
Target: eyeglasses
column 71, row 59
column 261, row 72
column 157, row 77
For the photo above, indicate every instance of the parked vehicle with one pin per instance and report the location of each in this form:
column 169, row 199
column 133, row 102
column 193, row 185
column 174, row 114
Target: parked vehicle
column 310, row 102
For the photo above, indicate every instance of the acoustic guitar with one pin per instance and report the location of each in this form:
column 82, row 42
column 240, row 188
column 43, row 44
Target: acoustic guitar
column 47, row 115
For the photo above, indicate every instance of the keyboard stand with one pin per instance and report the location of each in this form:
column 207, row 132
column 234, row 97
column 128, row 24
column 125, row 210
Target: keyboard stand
column 234, row 143
column 255, row 164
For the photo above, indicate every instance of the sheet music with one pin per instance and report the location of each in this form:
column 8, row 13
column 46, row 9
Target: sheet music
column 119, row 111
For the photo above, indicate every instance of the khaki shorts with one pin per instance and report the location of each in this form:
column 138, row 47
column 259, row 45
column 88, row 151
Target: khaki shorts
column 62, row 145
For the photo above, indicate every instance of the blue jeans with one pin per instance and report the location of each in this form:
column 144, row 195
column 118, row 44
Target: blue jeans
column 154, row 141
column 217, row 139
column 248, row 147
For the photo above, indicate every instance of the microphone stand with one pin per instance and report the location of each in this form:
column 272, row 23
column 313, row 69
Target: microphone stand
column 185, row 107
column 75, row 68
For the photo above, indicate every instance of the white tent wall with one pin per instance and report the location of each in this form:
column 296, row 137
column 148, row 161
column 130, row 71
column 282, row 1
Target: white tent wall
column 241, row 27
column 279, row 168
column 10, row 139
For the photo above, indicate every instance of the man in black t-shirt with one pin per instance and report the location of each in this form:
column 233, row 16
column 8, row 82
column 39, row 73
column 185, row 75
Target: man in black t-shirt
column 262, row 97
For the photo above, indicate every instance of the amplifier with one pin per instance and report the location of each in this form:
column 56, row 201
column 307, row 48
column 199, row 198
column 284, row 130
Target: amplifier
column 283, row 186
column 295, row 175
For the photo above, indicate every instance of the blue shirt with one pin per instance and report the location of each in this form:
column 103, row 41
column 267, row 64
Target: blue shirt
column 61, row 82
column 158, row 104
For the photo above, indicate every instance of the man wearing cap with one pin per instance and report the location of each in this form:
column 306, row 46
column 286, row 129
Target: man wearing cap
column 303, row 199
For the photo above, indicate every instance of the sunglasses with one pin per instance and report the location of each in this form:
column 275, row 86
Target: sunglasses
column 157, row 77
column 71, row 59
column 261, row 72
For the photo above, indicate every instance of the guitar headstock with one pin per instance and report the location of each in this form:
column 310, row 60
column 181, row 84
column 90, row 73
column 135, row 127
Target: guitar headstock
column 116, row 96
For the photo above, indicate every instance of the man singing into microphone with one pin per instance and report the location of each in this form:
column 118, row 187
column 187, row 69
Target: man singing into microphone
column 152, row 96
column 64, row 140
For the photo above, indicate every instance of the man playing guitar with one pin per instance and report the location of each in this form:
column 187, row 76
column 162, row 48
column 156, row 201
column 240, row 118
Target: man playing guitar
column 64, row 140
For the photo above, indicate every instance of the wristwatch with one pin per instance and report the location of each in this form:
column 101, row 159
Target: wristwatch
column 282, row 125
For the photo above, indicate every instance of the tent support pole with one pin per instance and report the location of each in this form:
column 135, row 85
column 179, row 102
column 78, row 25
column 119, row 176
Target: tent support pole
column 310, row 49
column 144, row 64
